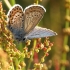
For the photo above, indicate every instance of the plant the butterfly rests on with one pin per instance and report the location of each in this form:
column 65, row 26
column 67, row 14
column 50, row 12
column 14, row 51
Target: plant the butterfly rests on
column 23, row 23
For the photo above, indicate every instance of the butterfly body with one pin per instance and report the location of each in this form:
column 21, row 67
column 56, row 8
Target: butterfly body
column 22, row 23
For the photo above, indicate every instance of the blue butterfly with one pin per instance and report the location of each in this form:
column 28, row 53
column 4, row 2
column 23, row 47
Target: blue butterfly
column 22, row 24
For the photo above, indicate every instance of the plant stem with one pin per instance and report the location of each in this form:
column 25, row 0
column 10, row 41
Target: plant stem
column 12, row 2
column 65, row 39
column 37, row 2
column 7, row 3
column 32, row 54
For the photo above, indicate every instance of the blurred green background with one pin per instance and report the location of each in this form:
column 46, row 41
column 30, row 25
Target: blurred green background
column 54, row 19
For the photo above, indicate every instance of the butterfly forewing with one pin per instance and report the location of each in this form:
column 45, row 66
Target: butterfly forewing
column 39, row 32
column 15, row 18
column 33, row 14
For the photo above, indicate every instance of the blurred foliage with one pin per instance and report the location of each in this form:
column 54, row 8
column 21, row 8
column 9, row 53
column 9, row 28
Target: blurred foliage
column 57, row 18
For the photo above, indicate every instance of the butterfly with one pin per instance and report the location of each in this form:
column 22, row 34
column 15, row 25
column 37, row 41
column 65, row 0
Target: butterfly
column 22, row 24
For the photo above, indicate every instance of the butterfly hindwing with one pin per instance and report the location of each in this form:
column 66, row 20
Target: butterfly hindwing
column 39, row 32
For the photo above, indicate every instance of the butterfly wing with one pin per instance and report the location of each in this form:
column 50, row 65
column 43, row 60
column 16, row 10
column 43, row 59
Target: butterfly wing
column 22, row 22
column 33, row 14
column 15, row 18
column 39, row 32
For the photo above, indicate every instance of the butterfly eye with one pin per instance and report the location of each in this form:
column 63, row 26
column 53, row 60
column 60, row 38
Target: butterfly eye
column 24, row 39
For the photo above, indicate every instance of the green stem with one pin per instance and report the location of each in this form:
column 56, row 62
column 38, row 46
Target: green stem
column 16, row 63
column 32, row 54
column 65, row 39
column 12, row 2
column 37, row 2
